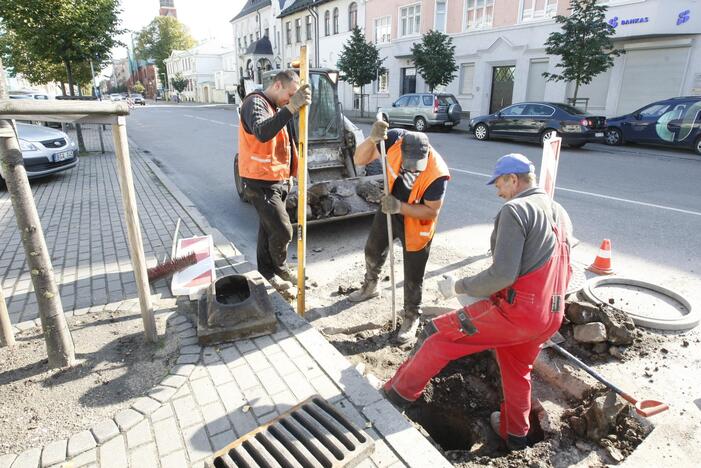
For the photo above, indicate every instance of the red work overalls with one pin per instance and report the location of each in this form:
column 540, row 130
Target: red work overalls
column 515, row 321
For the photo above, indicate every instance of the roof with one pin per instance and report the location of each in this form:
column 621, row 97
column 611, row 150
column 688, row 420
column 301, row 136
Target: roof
column 300, row 5
column 260, row 47
column 250, row 7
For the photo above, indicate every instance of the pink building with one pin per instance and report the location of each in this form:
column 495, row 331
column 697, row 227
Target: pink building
column 501, row 56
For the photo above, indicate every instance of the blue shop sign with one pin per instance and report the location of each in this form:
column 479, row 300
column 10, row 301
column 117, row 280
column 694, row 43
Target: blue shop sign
column 615, row 22
column 683, row 17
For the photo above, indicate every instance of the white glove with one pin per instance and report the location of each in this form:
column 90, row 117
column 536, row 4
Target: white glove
column 447, row 286
column 466, row 300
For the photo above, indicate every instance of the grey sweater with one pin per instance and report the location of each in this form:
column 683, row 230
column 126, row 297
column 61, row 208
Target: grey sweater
column 522, row 241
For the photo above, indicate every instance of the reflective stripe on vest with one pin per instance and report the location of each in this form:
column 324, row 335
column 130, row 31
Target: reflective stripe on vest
column 268, row 160
column 417, row 232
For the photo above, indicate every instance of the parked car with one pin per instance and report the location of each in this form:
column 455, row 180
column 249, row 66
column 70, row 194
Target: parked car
column 673, row 122
column 45, row 150
column 536, row 121
column 28, row 95
column 423, row 110
column 116, row 97
column 138, row 99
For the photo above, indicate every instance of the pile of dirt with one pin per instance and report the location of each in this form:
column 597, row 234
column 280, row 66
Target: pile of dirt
column 116, row 366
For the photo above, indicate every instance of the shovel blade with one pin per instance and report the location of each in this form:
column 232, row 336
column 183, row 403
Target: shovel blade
column 649, row 408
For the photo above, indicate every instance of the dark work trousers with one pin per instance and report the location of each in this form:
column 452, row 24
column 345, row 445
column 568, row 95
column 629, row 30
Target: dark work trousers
column 274, row 229
column 376, row 250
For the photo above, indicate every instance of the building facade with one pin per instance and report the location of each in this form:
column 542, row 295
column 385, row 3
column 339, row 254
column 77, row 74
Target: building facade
column 198, row 65
column 501, row 55
column 255, row 29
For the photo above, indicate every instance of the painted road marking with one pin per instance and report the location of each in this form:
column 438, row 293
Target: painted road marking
column 598, row 195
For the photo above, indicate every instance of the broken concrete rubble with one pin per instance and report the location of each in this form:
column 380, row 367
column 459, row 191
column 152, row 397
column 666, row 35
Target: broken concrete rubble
column 602, row 414
column 593, row 332
column 581, row 312
column 370, row 191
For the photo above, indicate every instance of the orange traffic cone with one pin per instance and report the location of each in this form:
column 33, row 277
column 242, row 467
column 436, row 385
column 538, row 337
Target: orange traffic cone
column 602, row 262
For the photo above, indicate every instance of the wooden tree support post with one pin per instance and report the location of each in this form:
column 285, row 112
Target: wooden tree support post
column 302, row 187
column 136, row 247
column 7, row 336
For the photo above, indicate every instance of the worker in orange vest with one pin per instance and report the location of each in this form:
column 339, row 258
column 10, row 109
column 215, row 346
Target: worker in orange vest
column 418, row 178
column 267, row 161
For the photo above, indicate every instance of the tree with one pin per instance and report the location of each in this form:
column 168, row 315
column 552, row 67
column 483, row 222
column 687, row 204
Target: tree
column 359, row 63
column 584, row 45
column 434, row 58
column 59, row 343
column 179, row 82
column 157, row 40
column 68, row 32
column 139, row 88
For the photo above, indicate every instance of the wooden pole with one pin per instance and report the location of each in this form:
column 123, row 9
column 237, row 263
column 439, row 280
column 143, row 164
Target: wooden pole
column 136, row 247
column 7, row 336
column 302, row 187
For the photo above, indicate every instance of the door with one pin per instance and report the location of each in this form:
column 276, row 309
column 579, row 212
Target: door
column 502, row 87
column 642, row 127
column 412, row 109
column 396, row 114
column 508, row 121
column 408, row 77
column 535, row 120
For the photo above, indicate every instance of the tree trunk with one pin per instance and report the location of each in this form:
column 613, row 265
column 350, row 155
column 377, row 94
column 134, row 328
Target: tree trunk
column 63, row 88
column 69, row 73
column 59, row 343
column 7, row 336
column 576, row 92
column 362, row 103
column 78, row 130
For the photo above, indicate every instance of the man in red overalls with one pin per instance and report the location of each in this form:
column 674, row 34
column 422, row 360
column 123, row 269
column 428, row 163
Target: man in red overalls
column 515, row 305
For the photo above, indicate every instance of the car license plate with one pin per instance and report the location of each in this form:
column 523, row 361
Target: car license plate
column 599, row 134
column 62, row 156
column 449, row 123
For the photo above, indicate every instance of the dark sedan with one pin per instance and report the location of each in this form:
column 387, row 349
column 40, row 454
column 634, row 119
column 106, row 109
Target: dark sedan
column 536, row 121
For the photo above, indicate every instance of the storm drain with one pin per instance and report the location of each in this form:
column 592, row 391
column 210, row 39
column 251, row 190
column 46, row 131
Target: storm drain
column 313, row 434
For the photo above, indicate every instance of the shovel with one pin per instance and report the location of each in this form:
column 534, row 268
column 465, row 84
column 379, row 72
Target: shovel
column 644, row 408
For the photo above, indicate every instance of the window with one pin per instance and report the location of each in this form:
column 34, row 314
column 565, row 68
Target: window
column 298, row 30
column 352, row 16
column 410, row 20
column 655, row 110
column 335, row 20
column 478, row 14
column 309, row 27
column 245, row 43
column 383, row 83
column 288, row 32
column 467, row 78
column 538, row 9
column 539, row 110
column 383, row 30
column 257, row 35
column 413, row 101
column 267, row 32
column 240, row 46
column 427, row 100
column 514, row 110
column 402, row 101
column 327, row 23
column 251, row 36
column 441, row 15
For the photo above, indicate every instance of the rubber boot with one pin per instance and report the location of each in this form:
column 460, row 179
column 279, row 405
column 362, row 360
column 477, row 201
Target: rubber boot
column 407, row 332
column 367, row 291
column 400, row 403
column 513, row 443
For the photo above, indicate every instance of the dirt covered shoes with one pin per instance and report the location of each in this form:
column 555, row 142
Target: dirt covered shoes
column 367, row 291
column 285, row 288
column 407, row 331
column 513, row 443
column 400, row 403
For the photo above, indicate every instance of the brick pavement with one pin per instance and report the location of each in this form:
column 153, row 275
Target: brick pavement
column 213, row 394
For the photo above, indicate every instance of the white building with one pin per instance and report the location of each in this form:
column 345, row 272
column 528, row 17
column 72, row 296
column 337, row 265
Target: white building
column 256, row 35
column 225, row 79
column 198, row 65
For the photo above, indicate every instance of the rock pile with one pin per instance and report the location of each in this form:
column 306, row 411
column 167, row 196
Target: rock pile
column 601, row 328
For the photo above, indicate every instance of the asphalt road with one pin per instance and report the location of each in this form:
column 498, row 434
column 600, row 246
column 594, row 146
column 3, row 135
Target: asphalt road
column 646, row 200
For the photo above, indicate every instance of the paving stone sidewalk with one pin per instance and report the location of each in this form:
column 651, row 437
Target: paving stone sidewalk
column 213, row 394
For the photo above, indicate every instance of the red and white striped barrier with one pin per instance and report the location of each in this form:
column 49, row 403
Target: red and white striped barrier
column 195, row 279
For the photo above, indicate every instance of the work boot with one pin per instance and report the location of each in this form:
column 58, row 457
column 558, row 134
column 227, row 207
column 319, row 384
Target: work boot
column 513, row 443
column 397, row 400
column 367, row 291
column 279, row 284
column 407, row 331
column 286, row 274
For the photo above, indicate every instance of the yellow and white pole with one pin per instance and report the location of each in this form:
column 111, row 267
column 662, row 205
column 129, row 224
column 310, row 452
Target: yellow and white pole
column 302, row 186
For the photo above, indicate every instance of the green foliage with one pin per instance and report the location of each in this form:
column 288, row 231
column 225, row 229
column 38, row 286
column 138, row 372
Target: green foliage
column 584, row 45
column 360, row 61
column 60, row 32
column 157, row 40
column 434, row 58
column 179, row 82
column 138, row 88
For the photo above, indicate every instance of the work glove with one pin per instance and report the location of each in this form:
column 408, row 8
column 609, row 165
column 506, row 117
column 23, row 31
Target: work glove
column 378, row 131
column 390, row 205
column 303, row 97
column 447, row 286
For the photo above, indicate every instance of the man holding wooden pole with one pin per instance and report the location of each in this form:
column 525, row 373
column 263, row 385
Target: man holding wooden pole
column 267, row 161
column 418, row 178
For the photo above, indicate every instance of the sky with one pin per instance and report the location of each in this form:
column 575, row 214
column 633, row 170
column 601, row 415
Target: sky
column 206, row 19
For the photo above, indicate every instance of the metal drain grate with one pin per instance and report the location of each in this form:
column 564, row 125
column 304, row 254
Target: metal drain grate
column 313, row 434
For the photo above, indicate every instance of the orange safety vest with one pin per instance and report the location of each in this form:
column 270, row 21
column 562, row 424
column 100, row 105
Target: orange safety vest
column 417, row 232
column 266, row 161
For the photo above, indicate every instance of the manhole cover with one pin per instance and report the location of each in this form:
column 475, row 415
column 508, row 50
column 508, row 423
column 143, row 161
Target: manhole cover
column 649, row 305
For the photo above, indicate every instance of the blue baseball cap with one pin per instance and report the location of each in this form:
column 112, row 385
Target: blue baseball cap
column 513, row 163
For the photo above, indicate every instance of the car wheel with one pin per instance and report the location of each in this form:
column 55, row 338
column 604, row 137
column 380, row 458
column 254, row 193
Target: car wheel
column 613, row 137
column 697, row 146
column 420, row 124
column 547, row 134
column 237, row 180
column 481, row 132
